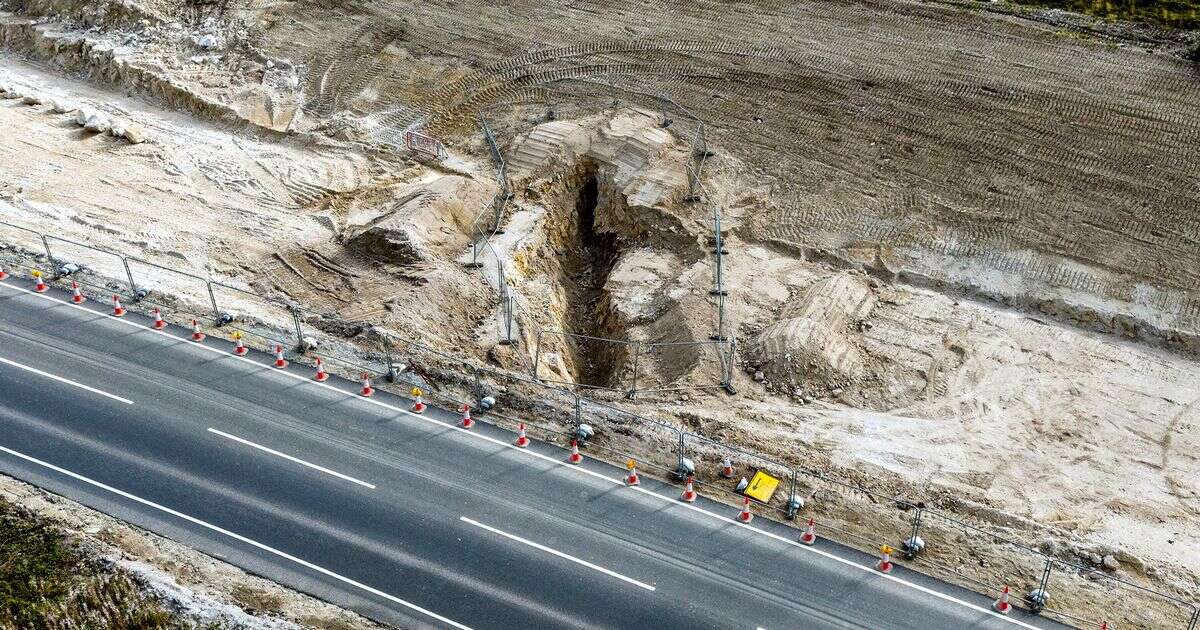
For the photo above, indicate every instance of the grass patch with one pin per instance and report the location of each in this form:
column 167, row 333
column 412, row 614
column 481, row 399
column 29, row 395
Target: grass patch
column 1183, row 14
column 46, row 581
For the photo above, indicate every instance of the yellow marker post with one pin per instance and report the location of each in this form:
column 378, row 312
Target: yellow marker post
column 630, row 464
column 416, row 392
column 762, row 486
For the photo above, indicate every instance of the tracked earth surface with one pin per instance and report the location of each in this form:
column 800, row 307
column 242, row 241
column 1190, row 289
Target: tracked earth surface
column 961, row 240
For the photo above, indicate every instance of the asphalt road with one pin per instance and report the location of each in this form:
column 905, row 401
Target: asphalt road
column 406, row 519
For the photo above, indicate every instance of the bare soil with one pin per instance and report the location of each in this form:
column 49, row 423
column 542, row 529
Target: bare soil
column 963, row 238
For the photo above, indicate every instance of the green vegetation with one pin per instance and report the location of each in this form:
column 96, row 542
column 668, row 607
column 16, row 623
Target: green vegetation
column 46, row 581
column 1173, row 13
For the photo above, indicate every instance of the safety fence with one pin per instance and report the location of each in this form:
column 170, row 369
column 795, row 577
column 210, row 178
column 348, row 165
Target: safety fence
column 490, row 223
column 845, row 511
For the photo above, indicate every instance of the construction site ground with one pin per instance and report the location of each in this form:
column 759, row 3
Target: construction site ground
column 963, row 241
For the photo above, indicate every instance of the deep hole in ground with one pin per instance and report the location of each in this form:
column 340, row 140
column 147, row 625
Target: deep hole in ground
column 586, row 266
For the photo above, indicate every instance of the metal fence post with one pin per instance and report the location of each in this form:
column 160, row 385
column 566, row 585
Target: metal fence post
column 508, row 313
column 910, row 546
column 1038, row 602
column 387, row 355
column 49, row 256
column 212, row 297
column 478, row 385
column 578, row 413
column 133, row 290
column 295, row 322
column 637, row 353
column 682, row 446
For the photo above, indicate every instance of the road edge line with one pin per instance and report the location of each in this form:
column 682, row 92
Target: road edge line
column 565, row 465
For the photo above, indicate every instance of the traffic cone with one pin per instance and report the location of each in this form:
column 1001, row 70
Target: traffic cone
column 467, row 421
column 575, row 457
column 522, row 441
column 322, row 375
column 159, row 324
column 1002, row 606
column 689, row 490
column 885, row 560
column 197, row 336
column 76, row 296
column 280, row 362
column 240, row 348
column 810, row 534
column 41, row 282
column 118, row 310
column 3, row 274
column 727, row 469
column 367, row 390
column 418, row 405
column 632, row 478
column 745, row 515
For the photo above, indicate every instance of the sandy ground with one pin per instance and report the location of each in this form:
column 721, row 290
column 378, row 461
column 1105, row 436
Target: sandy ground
column 980, row 291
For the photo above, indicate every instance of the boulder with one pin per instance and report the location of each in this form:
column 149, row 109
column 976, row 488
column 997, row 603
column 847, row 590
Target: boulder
column 134, row 135
column 97, row 123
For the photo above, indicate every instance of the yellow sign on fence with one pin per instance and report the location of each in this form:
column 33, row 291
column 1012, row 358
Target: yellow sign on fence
column 762, row 486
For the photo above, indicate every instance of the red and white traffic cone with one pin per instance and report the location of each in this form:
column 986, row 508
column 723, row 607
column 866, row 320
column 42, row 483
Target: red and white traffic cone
column 1002, row 606
column 322, row 375
column 467, row 420
column 632, row 479
column 159, row 324
column 367, row 390
column 810, row 534
column 41, row 282
column 418, row 405
column 197, row 336
column 3, row 274
column 76, row 296
column 280, row 362
column 240, row 348
column 689, row 490
column 727, row 469
column 745, row 515
column 885, row 560
column 118, row 310
column 575, row 457
column 522, row 441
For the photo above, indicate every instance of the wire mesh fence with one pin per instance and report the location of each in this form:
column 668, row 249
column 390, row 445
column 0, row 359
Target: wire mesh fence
column 846, row 512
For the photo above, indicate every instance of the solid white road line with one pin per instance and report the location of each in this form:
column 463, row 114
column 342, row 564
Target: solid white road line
column 557, row 553
column 290, row 458
column 65, row 380
column 271, row 550
column 673, row 500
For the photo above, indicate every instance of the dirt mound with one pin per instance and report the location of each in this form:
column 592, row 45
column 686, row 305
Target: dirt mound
column 815, row 345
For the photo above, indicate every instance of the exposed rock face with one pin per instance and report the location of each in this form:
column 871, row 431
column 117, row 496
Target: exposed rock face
column 815, row 341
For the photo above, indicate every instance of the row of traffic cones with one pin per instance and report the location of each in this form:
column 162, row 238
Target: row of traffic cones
column 885, row 565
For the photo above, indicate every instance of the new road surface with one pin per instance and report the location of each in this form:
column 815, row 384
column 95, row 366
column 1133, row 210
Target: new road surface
column 406, row 519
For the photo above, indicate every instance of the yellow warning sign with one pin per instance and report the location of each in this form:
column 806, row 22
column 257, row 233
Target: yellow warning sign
column 762, row 487
column 416, row 391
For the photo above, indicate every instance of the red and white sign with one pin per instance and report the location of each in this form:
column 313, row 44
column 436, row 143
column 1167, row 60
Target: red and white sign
column 421, row 143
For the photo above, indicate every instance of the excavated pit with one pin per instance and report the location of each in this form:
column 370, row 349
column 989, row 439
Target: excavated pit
column 586, row 265
column 583, row 249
